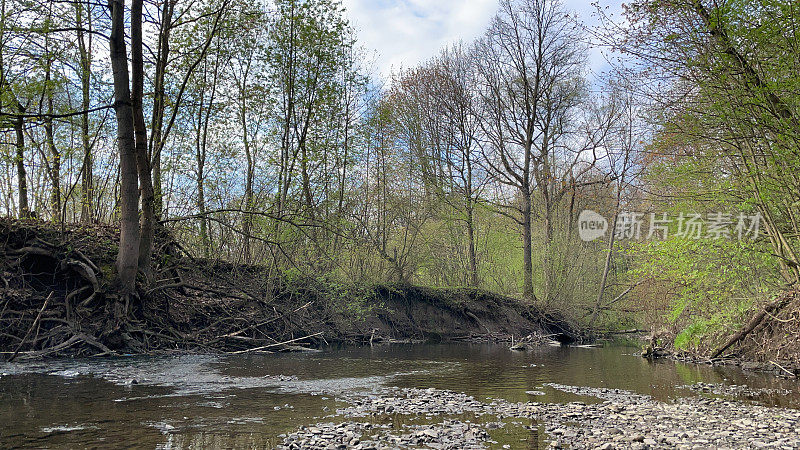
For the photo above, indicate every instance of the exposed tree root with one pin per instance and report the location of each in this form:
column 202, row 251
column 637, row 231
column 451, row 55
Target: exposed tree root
column 33, row 325
column 58, row 298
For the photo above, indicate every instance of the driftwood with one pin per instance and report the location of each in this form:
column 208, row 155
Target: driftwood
column 775, row 306
column 783, row 368
column 631, row 331
column 277, row 344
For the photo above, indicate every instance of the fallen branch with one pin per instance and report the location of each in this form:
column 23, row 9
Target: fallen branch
column 229, row 294
column 783, row 368
column 263, row 347
column 55, row 349
column 778, row 304
column 631, row 331
column 260, row 324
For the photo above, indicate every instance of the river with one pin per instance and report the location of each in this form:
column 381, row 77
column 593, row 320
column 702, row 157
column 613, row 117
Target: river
column 224, row 401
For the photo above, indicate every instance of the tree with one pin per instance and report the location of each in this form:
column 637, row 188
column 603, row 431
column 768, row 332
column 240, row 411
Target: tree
column 529, row 64
column 251, row 99
column 83, row 27
column 622, row 148
column 146, row 195
column 435, row 110
column 163, row 120
column 304, row 57
column 129, row 241
column 730, row 68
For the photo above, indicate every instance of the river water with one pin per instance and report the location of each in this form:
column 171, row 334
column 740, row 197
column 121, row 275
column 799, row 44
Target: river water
column 224, row 401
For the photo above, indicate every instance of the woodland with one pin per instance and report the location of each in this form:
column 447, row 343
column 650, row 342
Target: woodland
column 148, row 146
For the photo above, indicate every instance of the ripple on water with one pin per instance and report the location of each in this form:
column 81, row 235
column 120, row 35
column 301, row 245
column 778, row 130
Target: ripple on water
column 219, row 401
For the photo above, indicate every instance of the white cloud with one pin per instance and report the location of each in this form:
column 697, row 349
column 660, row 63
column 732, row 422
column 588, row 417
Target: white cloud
column 405, row 33
column 587, row 14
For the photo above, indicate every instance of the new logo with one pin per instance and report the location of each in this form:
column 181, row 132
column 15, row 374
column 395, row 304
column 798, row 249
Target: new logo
column 591, row 225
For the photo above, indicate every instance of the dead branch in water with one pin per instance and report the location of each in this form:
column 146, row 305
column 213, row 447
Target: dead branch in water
column 264, row 347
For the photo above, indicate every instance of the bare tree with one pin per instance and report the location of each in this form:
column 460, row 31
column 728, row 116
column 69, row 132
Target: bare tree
column 529, row 69
column 435, row 111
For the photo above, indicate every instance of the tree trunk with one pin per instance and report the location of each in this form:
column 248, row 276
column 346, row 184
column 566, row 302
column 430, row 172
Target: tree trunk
column 147, row 224
column 201, row 206
column 248, row 189
column 473, row 257
column 22, row 182
column 606, row 268
column 527, row 259
column 128, row 256
column 306, row 180
column 55, row 166
column 200, row 159
column 547, row 266
column 159, row 104
column 87, row 194
column 343, row 179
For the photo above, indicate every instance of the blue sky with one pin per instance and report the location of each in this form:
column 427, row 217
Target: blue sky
column 404, row 33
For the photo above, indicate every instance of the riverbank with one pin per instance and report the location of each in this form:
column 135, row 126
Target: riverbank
column 622, row 420
column 59, row 298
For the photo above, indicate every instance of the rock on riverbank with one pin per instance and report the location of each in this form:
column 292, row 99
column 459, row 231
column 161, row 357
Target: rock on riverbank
column 624, row 420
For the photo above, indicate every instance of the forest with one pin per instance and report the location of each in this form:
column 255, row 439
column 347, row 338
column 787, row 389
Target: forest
column 254, row 137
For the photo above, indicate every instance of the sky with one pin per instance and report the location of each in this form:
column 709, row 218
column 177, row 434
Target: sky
column 404, row 33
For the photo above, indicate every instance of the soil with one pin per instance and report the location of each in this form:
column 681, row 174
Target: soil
column 58, row 297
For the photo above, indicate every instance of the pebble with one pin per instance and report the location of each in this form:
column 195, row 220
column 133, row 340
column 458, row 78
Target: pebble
column 623, row 420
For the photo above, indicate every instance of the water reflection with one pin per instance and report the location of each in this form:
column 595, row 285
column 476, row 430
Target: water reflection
column 215, row 401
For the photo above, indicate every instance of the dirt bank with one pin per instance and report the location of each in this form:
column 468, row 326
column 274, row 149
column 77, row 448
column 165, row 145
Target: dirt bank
column 767, row 342
column 57, row 292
